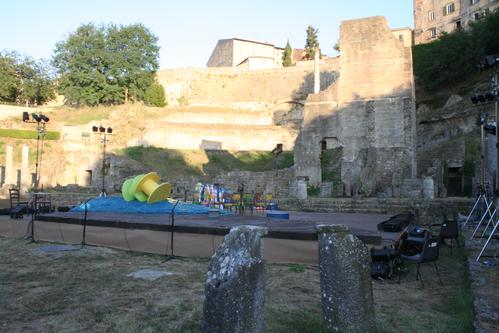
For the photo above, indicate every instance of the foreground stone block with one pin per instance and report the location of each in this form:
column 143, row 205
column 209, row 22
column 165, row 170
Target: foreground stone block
column 346, row 286
column 234, row 292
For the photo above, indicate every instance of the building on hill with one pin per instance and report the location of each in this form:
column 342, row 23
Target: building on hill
column 247, row 54
column 432, row 17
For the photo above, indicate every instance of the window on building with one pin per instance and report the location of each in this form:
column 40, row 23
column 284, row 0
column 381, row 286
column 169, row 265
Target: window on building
column 472, row 2
column 459, row 25
column 431, row 15
column 401, row 38
column 449, row 8
column 476, row 16
column 432, row 33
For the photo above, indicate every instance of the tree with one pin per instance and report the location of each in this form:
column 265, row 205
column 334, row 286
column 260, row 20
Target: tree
column 336, row 47
column 107, row 64
column 286, row 56
column 25, row 80
column 8, row 79
column 155, row 95
column 311, row 43
column 135, row 59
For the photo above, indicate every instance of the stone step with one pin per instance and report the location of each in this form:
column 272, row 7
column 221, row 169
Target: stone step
column 215, row 137
column 219, row 116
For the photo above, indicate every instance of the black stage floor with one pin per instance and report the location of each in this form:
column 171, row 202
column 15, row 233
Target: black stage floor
column 300, row 226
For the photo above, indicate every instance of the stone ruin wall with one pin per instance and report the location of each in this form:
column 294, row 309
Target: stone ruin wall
column 368, row 113
column 231, row 87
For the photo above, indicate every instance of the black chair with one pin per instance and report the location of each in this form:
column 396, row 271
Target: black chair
column 429, row 254
column 448, row 230
column 17, row 207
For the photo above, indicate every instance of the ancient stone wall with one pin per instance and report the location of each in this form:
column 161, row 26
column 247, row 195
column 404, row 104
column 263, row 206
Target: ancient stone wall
column 268, row 182
column 369, row 112
column 239, row 88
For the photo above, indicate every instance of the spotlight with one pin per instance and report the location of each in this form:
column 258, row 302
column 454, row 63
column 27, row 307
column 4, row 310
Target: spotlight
column 474, row 99
column 95, row 129
column 25, row 117
column 489, row 97
column 109, row 130
column 102, row 129
column 37, row 117
column 44, row 118
column 481, row 98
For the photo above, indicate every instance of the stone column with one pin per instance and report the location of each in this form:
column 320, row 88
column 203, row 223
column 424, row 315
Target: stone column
column 234, row 293
column 9, row 169
column 428, row 188
column 346, row 286
column 25, row 174
column 317, row 72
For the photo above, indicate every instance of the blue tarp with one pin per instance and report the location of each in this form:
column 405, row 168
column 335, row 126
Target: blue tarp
column 116, row 204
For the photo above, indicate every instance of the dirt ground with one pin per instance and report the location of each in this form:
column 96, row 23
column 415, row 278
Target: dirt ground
column 89, row 291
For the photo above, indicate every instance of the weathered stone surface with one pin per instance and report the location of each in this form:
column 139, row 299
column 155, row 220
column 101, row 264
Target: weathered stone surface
column 9, row 169
column 369, row 111
column 453, row 100
column 25, row 174
column 346, row 286
column 428, row 188
column 234, row 293
column 326, row 189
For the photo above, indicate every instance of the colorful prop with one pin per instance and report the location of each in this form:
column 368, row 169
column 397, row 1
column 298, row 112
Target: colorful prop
column 146, row 188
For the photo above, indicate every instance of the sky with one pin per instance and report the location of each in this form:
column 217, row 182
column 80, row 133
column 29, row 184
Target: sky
column 188, row 30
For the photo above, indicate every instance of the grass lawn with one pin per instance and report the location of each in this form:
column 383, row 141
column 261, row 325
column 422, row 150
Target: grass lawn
column 205, row 164
column 89, row 291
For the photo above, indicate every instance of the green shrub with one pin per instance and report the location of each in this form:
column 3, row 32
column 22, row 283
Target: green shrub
column 313, row 191
column 155, row 95
column 447, row 60
column 29, row 135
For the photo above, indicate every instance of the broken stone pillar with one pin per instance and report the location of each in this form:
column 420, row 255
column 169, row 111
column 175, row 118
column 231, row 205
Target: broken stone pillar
column 326, row 190
column 9, row 169
column 346, row 287
column 25, row 174
column 234, row 292
column 428, row 188
column 317, row 72
column 301, row 189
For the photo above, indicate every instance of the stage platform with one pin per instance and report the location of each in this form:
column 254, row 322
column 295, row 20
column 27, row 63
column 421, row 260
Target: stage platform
column 293, row 240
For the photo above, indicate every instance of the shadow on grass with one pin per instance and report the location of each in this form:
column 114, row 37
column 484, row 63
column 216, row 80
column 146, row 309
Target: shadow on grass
column 205, row 164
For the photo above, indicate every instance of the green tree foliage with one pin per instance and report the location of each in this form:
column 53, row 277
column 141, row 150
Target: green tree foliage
column 24, row 80
column 108, row 64
column 311, row 43
column 453, row 56
column 286, row 56
column 155, row 95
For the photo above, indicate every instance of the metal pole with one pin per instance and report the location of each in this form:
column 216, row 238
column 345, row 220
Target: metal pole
column 482, row 153
column 494, row 83
column 37, row 155
column 103, row 192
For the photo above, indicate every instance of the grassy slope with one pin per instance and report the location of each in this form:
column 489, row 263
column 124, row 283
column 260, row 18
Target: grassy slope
column 89, row 291
column 202, row 163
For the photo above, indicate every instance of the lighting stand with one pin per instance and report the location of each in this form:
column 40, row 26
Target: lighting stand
column 103, row 139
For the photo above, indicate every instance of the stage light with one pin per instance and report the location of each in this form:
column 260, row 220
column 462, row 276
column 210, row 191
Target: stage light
column 102, row 129
column 481, row 98
column 36, row 117
column 44, row 118
column 474, row 99
column 109, row 130
column 95, row 129
column 490, row 97
column 25, row 116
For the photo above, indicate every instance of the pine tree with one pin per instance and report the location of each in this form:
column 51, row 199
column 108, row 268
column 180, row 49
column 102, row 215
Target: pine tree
column 311, row 43
column 286, row 56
